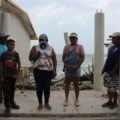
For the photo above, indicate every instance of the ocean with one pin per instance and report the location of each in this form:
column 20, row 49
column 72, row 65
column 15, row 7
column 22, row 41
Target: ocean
column 84, row 67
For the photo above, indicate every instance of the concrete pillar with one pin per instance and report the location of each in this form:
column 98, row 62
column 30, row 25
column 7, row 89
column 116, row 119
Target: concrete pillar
column 98, row 50
column 0, row 17
column 119, row 89
column 0, row 2
column 0, row 21
column 67, row 41
column 5, row 22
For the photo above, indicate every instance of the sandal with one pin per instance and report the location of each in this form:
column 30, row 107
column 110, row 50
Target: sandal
column 40, row 107
column 77, row 104
column 113, row 106
column 107, row 104
column 66, row 103
column 48, row 107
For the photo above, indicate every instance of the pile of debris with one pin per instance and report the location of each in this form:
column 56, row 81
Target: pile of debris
column 58, row 83
column 88, row 76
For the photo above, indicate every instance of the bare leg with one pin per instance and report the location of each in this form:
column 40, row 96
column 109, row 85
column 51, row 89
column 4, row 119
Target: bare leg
column 67, row 89
column 109, row 96
column 115, row 95
column 114, row 102
column 109, row 103
column 76, row 87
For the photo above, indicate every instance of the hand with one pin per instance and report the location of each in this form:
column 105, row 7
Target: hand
column 38, row 53
column 35, row 56
column 2, row 79
column 102, row 72
column 112, row 73
column 54, row 73
column 71, row 68
column 75, row 67
column 15, row 76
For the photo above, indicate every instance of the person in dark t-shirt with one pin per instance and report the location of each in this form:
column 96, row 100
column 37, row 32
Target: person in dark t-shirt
column 3, row 48
column 9, row 72
column 111, row 72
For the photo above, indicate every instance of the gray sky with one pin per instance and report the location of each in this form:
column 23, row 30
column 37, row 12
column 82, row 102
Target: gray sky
column 54, row 17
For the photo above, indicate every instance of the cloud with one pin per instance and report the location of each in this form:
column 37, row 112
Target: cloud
column 59, row 14
column 56, row 16
column 60, row 23
column 102, row 4
column 49, row 11
column 63, row 12
column 82, row 19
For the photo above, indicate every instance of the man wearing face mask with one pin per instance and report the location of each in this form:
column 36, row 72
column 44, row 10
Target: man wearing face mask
column 73, row 57
column 44, row 63
column 3, row 48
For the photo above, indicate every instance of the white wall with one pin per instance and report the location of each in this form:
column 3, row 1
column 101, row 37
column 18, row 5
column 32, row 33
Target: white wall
column 19, row 34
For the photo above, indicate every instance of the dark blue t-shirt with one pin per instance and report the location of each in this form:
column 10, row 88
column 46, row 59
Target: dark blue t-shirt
column 112, row 58
column 10, row 61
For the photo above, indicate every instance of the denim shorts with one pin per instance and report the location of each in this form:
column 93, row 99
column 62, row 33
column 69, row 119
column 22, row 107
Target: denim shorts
column 75, row 73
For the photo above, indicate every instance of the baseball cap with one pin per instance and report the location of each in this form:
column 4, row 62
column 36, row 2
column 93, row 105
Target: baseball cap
column 2, row 34
column 43, row 36
column 73, row 35
column 115, row 34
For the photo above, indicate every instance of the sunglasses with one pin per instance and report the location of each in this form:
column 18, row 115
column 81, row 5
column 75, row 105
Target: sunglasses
column 72, row 37
column 41, row 40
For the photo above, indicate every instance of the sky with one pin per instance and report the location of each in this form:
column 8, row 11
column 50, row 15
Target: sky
column 54, row 17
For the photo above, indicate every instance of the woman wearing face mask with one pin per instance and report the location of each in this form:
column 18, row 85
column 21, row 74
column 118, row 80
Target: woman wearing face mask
column 44, row 63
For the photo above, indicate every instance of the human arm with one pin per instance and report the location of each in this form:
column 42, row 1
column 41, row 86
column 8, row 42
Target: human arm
column 18, row 67
column 54, row 63
column 64, row 57
column 33, row 55
column 114, row 70
column 103, row 70
column 1, row 74
column 1, row 68
column 82, row 57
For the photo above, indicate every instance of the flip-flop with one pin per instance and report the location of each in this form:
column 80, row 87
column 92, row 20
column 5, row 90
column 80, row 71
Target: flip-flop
column 77, row 104
column 66, row 104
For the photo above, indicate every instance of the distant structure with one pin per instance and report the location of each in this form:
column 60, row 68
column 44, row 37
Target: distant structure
column 108, row 45
column 98, row 50
column 67, row 41
column 15, row 22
